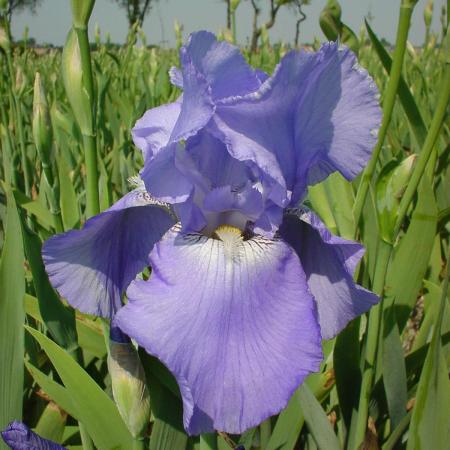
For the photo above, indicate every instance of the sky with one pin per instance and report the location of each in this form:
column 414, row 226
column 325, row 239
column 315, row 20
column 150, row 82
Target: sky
column 52, row 20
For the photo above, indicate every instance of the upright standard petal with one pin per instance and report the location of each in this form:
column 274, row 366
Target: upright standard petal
column 329, row 262
column 153, row 130
column 317, row 114
column 197, row 106
column 19, row 437
column 210, row 71
column 222, row 64
column 93, row 266
column 233, row 320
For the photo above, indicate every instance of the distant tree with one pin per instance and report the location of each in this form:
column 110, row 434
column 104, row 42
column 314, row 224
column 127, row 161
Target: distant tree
column 298, row 5
column 136, row 10
column 228, row 2
column 15, row 6
column 275, row 6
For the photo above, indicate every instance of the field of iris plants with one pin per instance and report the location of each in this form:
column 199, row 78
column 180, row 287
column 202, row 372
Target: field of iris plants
column 67, row 153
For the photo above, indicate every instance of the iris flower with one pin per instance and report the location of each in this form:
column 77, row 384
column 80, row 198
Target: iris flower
column 245, row 281
column 19, row 437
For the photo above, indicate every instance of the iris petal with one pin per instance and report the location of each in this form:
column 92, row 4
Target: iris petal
column 222, row 64
column 153, row 130
column 317, row 114
column 234, row 321
column 163, row 179
column 93, row 266
column 197, row 106
column 19, row 437
column 329, row 262
column 210, row 70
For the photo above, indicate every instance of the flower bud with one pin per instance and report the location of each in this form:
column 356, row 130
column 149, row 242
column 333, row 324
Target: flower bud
column 128, row 383
column 41, row 124
column 225, row 35
column 97, row 34
column 17, row 435
column 5, row 42
column 412, row 52
column 330, row 20
column 77, row 94
column 264, row 37
column 81, row 11
column 21, row 81
column 428, row 13
column 234, row 4
column 154, row 65
column 142, row 37
column 390, row 186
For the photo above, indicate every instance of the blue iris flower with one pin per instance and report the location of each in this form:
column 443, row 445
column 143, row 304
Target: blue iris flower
column 19, row 437
column 245, row 281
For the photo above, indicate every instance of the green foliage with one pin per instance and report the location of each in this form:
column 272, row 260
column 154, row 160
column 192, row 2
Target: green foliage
column 67, row 382
column 12, row 289
column 93, row 407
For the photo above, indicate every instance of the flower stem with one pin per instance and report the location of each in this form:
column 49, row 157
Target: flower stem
column 406, row 10
column 81, row 11
column 9, row 168
column 16, row 109
column 233, row 25
column 90, row 151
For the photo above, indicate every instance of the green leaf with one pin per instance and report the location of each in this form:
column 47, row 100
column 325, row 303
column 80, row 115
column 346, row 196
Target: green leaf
column 290, row 422
column 406, row 99
column 411, row 256
column 317, row 197
column 391, row 184
column 12, row 290
column 52, row 422
column 43, row 215
column 90, row 334
column 246, row 438
column 346, row 363
column 165, row 437
column 95, row 409
column 369, row 234
column 341, row 199
column 332, row 200
column 288, row 426
column 59, row 319
column 59, row 394
column 317, row 421
column 431, row 304
column 208, row 441
column 394, row 370
column 167, row 431
column 69, row 433
column 430, row 421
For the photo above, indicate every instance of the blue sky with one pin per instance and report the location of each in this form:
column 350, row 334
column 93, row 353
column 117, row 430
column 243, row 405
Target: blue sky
column 52, row 20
